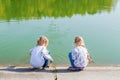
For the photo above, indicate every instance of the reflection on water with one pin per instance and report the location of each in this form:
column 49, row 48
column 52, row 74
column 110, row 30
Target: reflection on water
column 22, row 22
column 27, row 9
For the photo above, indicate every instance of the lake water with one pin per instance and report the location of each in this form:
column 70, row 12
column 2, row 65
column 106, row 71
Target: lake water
column 22, row 22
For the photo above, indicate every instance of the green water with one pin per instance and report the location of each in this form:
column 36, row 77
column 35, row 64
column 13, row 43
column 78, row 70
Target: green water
column 23, row 21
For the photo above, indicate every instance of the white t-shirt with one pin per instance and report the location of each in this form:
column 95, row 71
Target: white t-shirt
column 79, row 55
column 38, row 56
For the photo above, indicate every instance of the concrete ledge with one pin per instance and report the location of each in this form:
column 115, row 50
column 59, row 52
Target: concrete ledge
column 90, row 73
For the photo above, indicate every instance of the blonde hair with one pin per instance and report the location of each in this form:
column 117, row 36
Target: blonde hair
column 42, row 40
column 79, row 41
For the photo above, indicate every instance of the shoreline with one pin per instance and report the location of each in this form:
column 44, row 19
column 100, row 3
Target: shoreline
column 94, row 67
column 62, row 65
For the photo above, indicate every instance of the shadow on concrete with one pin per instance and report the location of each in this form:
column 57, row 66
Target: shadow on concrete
column 48, row 70
column 24, row 70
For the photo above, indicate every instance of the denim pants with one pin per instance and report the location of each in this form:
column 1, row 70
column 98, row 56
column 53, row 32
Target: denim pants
column 46, row 62
column 71, row 60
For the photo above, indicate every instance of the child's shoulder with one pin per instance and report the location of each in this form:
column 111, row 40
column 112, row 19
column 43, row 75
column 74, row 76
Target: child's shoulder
column 79, row 48
column 44, row 49
column 76, row 49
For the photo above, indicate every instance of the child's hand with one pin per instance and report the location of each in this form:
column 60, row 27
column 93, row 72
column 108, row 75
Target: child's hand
column 89, row 59
column 51, row 61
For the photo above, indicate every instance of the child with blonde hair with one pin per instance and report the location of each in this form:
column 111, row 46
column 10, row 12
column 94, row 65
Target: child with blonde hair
column 79, row 56
column 39, row 54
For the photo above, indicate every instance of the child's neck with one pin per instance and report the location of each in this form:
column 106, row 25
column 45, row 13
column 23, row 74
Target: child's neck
column 41, row 45
column 80, row 45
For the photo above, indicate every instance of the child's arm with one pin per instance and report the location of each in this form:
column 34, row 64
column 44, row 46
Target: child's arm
column 47, row 56
column 30, row 51
column 89, row 58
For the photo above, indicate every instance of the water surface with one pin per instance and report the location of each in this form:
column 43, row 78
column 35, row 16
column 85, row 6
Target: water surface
column 60, row 20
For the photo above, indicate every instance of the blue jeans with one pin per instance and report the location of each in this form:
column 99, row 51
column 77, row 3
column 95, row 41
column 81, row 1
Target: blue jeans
column 46, row 62
column 71, row 60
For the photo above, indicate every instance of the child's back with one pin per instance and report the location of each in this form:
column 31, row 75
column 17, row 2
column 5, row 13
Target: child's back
column 39, row 54
column 79, row 55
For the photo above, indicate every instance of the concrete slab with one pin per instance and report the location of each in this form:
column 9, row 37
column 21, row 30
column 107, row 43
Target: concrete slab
column 90, row 73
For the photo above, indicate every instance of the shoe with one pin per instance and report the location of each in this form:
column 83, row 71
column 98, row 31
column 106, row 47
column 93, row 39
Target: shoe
column 69, row 68
column 43, row 68
column 47, row 67
column 33, row 69
column 75, row 69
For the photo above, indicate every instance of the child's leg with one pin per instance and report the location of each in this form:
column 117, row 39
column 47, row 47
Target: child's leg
column 46, row 62
column 71, row 60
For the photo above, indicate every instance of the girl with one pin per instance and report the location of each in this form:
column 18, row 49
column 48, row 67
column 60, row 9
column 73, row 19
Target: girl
column 39, row 54
column 79, row 57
